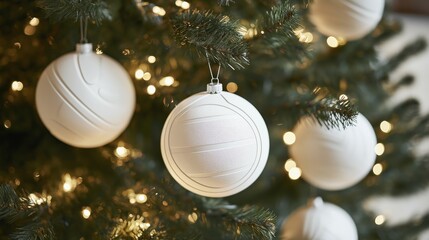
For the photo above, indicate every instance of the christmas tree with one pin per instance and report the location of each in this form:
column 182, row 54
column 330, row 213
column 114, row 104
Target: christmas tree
column 274, row 54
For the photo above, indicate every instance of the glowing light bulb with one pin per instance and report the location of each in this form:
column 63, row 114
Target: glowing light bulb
column 34, row 22
column 17, row 86
column 147, row 76
column 332, row 42
column 179, row 3
column 151, row 59
column 377, row 169
column 289, row 138
column 166, row 81
column 151, row 89
column 385, row 126
column 185, row 5
column 193, row 217
column 141, row 198
column 379, row 149
column 86, row 212
column 232, row 87
column 295, row 173
column 122, row 152
column 289, row 164
column 380, row 219
column 139, row 74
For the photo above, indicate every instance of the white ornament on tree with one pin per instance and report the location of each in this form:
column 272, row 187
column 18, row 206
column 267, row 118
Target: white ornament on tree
column 319, row 221
column 215, row 143
column 334, row 159
column 85, row 99
column 350, row 19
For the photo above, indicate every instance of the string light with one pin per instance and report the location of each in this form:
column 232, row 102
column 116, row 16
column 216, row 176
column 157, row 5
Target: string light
column 141, row 198
column 332, row 42
column 132, row 227
column 7, row 124
column 86, row 212
column 34, row 22
column 185, row 5
column 151, row 89
column 159, row 11
column 232, row 87
column 166, row 81
column 379, row 220
column 17, row 86
column 379, row 149
column 151, row 59
column 139, row 74
column 179, row 3
column 29, row 30
column 289, row 138
column 39, row 199
column 305, row 37
column 295, row 173
column 70, row 183
column 147, row 76
column 377, row 169
column 193, row 217
column 385, row 126
column 289, row 164
column 122, row 152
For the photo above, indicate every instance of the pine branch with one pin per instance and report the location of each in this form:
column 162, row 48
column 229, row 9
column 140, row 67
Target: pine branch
column 278, row 31
column 214, row 34
column 58, row 10
column 23, row 219
column 248, row 222
column 225, row 2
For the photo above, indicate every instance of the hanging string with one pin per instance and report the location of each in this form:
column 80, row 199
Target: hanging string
column 211, row 72
column 83, row 30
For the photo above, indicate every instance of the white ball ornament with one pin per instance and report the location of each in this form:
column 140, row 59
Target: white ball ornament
column 215, row 143
column 349, row 19
column 334, row 159
column 319, row 221
column 84, row 99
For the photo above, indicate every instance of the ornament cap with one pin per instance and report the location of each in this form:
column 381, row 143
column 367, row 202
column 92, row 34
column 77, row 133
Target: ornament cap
column 316, row 202
column 214, row 88
column 84, row 48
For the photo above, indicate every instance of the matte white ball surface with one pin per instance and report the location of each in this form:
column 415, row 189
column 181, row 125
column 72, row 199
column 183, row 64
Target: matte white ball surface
column 334, row 159
column 215, row 145
column 319, row 221
column 84, row 99
column 350, row 19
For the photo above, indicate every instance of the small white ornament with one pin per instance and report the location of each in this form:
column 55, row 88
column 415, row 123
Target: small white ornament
column 349, row 19
column 334, row 159
column 319, row 221
column 215, row 145
column 84, row 99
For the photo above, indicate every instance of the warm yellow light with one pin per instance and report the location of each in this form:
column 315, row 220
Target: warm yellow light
column 289, row 164
column 341, row 41
column 122, row 152
column 192, row 217
column 69, row 183
column 67, row 187
column 86, row 212
column 380, row 219
column 34, row 22
column 185, row 5
column 17, row 86
column 377, row 169
column 139, row 74
column 166, row 81
column 289, row 138
column 141, row 198
column 306, row 37
column 332, row 42
column 151, row 59
column 232, row 87
column 158, row 10
column 379, row 149
column 295, row 173
column 29, row 30
column 343, row 97
column 151, row 89
column 147, row 76
column 385, row 126
column 179, row 3
column 132, row 200
column 7, row 124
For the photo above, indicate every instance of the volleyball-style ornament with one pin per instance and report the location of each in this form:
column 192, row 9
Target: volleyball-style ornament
column 319, row 221
column 84, row 99
column 349, row 19
column 334, row 159
column 215, row 143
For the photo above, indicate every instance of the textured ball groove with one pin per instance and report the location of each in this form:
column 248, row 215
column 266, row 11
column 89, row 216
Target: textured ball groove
column 215, row 145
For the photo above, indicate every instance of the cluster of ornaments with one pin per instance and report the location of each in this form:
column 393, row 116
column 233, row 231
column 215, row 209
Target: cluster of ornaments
column 349, row 19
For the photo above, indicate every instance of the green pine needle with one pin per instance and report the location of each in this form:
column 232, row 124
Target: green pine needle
column 93, row 10
column 225, row 2
column 213, row 34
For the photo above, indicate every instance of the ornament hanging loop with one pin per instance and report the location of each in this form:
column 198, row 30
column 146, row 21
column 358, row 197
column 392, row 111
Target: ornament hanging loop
column 214, row 86
column 83, row 29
